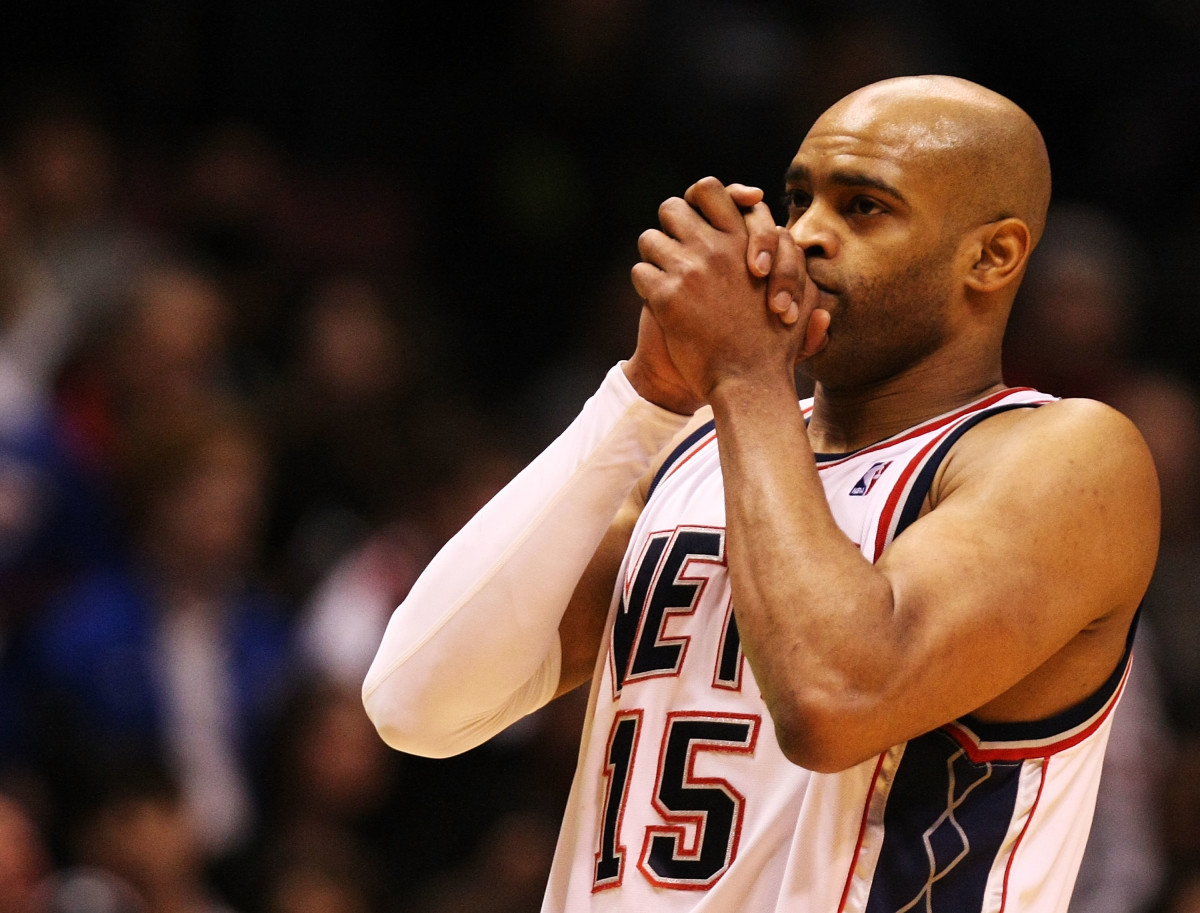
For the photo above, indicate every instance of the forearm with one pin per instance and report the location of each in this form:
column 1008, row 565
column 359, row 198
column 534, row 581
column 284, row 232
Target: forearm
column 806, row 599
column 475, row 644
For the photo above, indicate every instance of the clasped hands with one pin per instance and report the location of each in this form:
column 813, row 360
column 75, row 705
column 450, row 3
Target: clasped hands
column 725, row 297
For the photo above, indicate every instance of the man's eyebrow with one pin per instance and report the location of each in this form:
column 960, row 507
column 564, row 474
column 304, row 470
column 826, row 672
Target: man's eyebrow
column 796, row 174
column 800, row 174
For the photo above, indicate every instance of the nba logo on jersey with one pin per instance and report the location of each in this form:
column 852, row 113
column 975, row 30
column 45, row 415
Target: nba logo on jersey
column 870, row 477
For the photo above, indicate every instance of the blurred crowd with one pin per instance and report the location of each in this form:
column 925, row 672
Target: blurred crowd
column 248, row 387
column 225, row 453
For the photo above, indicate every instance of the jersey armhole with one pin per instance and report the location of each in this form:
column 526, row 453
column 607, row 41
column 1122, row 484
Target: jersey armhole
column 679, row 453
column 915, row 499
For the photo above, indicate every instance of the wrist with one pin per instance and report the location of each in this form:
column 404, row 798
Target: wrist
column 742, row 393
column 653, row 387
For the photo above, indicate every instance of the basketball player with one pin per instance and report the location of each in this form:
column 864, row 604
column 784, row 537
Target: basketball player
column 859, row 654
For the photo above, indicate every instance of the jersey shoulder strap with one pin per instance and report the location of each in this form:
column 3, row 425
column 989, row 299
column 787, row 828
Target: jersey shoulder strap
column 680, row 454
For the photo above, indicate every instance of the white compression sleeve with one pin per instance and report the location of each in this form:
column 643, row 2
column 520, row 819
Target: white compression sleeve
column 475, row 645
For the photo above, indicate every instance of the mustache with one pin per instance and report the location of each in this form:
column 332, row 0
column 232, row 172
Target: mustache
column 823, row 284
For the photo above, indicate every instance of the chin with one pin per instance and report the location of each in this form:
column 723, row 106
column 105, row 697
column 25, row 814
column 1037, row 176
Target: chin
column 835, row 373
column 816, row 367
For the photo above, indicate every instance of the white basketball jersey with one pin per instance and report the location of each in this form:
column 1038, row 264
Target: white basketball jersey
column 683, row 801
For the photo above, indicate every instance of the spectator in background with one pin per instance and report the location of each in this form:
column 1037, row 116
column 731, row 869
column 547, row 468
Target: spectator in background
column 438, row 824
column 330, row 809
column 65, row 165
column 1075, row 331
column 224, row 203
column 25, row 860
column 51, row 524
column 346, row 611
column 343, row 420
column 1166, row 408
column 36, row 325
column 175, row 649
column 130, row 837
column 507, row 874
column 330, row 878
column 165, row 352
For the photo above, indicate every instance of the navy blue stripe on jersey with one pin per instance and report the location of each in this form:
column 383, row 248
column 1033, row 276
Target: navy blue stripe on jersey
column 1071, row 718
column 945, row 823
column 825, row 459
column 677, row 454
column 1048, row 732
column 924, row 481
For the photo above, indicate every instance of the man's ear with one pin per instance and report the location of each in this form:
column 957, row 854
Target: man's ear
column 1000, row 252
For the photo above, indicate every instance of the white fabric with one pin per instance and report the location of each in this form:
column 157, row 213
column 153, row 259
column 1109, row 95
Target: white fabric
column 683, row 802
column 198, row 686
column 475, row 645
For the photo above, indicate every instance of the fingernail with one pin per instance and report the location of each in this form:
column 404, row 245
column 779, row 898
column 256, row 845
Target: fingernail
column 781, row 302
column 763, row 263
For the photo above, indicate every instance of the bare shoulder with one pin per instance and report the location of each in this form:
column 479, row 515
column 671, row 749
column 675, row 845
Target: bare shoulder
column 1080, row 439
column 1088, row 422
column 1074, row 476
column 1041, row 528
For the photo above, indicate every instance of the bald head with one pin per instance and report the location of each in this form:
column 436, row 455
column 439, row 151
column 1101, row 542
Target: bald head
column 985, row 149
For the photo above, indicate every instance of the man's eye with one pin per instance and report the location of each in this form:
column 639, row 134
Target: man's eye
column 796, row 200
column 864, row 206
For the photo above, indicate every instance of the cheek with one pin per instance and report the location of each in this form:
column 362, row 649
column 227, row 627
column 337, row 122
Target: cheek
column 912, row 306
column 883, row 326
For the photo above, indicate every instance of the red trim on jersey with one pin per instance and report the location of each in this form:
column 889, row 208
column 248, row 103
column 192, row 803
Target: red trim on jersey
column 896, row 495
column 660, row 636
column 630, row 578
column 978, row 753
column 900, row 491
column 862, row 832
column 722, row 645
column 696, row 448
column 698, row 819
column 925, row 428
column 932, row 424
column 1025, row 829
column 619, row 849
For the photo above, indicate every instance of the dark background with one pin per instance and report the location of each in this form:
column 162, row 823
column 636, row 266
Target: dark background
column 479, row 175
column 529, row 143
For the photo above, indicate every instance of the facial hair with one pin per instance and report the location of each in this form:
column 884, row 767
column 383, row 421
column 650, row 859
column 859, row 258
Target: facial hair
column 884, row 325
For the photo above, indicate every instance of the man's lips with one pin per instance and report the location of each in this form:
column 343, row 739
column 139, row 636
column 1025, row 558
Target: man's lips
column 823, row 287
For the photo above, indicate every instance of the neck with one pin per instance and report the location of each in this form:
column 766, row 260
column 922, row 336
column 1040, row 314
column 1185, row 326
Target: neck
column 850, row 418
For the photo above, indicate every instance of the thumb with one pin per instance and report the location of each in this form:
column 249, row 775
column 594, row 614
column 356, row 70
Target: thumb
column 816, row 333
